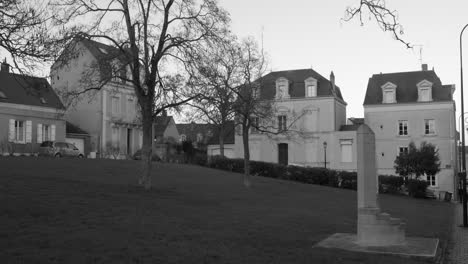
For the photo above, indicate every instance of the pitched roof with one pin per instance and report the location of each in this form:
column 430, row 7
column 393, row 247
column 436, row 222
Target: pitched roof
column 296, row 80
column 73, row 129
column 353, row 127
column 209, row 131
column 160, row 124
column 406, row 90
column 356, row 120
column 28, row 90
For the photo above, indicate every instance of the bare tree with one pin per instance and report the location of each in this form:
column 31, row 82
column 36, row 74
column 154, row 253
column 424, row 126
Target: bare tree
column 25, row 33
column 153, row 36
column 215, row 73
column 249, row 106
column 386, row 18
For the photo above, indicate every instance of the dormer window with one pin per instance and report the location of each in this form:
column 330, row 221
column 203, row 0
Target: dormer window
column 389, row 93
column 310, row 87
column 282, row 88
column 424, row 91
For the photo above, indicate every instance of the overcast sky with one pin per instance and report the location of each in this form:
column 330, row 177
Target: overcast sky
column 308, row 33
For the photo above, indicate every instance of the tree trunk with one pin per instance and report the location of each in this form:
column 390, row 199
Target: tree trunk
column 245, row 140
column 221, row 140
column 147, row 150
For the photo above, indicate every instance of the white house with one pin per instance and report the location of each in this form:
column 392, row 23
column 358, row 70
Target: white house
column 413, row 106
column 313, row 111
column 110, row 114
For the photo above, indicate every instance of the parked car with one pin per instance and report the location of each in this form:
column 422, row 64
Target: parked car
column 137, row 156
column 59, row 149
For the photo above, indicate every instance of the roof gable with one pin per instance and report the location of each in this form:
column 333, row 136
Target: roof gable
column 296, row 80
column 406, row 87
column 28, row 90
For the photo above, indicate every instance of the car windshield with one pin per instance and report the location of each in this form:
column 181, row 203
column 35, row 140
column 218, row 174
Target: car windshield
column 47, row 144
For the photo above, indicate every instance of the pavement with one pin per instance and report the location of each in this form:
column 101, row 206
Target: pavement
column 458, row 246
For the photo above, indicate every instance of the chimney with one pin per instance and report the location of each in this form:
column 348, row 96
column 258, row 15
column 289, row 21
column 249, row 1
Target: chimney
column 332, row 80
column 5, row 66
column 424, row 67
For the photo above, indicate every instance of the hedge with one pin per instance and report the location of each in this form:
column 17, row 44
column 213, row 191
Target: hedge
column 321, row 176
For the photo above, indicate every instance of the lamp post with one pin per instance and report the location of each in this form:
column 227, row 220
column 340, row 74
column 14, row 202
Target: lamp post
column 465, row 222
column 325, row 154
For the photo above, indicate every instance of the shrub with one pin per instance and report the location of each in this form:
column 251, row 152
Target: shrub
column 417, row 188
column 200, row 158
column 347, row 180
column 390, row 184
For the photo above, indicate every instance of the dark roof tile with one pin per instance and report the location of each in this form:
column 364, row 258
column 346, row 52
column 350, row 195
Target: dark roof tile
column 406, row 91
column 28, row 90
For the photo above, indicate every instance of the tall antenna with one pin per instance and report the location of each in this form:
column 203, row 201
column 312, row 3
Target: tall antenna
column 420, row 53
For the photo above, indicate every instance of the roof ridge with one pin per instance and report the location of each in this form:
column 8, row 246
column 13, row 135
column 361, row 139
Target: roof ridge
column 24, row 75
column 388, row 73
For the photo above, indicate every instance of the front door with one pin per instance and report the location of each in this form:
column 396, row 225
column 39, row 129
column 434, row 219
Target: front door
column 129, row 141
column 283, row 153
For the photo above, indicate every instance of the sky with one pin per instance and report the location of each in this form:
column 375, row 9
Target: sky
column 301, row 34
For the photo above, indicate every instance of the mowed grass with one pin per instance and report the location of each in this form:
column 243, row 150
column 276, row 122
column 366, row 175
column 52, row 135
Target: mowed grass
column 90, row 211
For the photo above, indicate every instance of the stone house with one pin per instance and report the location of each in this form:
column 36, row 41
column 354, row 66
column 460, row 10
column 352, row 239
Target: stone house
column 30, row 113
column 314, row 111
column 413, row 106
column 109, row 111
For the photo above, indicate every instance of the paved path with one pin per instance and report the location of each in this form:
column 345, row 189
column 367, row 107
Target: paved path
column 458, row 247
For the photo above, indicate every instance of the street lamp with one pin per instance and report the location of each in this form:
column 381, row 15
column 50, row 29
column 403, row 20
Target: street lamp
column 325, row 154
column 463, row 174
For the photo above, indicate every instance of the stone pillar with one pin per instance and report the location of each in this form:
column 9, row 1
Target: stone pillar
column 367, row 178
column 374, row 228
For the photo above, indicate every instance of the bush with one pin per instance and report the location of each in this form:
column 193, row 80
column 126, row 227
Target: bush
column 417, row 188
column 347, row 180
column 200, row 158
column 390, row 184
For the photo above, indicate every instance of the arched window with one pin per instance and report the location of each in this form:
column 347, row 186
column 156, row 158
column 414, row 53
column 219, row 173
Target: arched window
column 183, row 138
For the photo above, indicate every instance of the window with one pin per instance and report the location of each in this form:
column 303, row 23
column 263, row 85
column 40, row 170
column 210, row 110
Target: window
column 255, row 92
column 183, row 138
column 130, row 107
column 403, row 127
column 346, row 150
column 254, row 125
column 282, row 88
column 402, row 150
column 429, row 127
column 431, row 179
column 282, row 123
column 199, row 137
column 424, row 91
column 115, row 136
column 388, row 93
column 45, row 133
column 311, row 91
column 19, row 131
column 115, row 105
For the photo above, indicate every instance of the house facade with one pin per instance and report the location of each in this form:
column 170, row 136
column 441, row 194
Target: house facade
column 312, row 113
column 30, row 113
column 414, row 107
column 109, row 110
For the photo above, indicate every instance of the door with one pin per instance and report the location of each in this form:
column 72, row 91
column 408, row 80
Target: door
column 129, row 141
column 283, row 153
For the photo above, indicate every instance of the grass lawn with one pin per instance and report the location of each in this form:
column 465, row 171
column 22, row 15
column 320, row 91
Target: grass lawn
column 90, row 211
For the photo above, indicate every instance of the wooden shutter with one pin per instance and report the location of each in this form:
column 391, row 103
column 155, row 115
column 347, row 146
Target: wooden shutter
column 11, row 131
column 28, row 131
column 52, row 132
column 39, row 133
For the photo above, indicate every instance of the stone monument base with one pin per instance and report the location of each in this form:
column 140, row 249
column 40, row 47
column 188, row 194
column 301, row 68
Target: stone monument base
column 412, row 247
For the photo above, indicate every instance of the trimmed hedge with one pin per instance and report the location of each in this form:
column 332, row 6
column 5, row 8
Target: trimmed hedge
column 320, row 176
column 390, row 184
column 417, row 188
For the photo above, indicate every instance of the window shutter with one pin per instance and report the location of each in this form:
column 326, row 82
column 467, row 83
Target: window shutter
column 39, row 133
column 11, row 132
column 52, row 132
column 28, row 131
